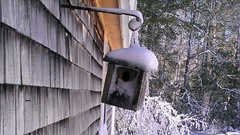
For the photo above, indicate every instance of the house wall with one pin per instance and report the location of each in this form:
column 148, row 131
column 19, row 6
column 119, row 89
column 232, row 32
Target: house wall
column 50, row 68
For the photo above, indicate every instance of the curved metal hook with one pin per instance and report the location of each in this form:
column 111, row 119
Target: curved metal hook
column 136, row 23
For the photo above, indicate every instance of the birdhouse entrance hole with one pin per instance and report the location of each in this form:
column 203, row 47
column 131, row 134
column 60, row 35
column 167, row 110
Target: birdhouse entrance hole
column 126, row 76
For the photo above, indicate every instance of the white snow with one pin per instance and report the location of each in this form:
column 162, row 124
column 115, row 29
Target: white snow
column 103, row 130
column 134, row 56
column 134, row 24
column 157, row 117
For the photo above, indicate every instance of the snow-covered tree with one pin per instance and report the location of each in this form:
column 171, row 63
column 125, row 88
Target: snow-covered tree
column 156, row 118
column 197, row 44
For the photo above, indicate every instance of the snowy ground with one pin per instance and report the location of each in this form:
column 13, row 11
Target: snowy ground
column 159, row 118
column 204, row 133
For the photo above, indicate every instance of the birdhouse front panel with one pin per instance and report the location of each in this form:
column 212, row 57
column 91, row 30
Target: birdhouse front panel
column 123, row 86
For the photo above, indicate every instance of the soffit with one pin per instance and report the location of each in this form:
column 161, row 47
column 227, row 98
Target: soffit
column 111, row 24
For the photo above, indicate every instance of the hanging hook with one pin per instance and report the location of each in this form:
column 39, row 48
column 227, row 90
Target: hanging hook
column 134, row 23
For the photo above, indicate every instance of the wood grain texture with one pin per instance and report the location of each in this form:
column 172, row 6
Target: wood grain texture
column 11, row 56
column 2, row 53
column 50, row 69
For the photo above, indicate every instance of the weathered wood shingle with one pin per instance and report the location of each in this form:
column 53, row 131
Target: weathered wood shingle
column 9, row 12
column 8, row 117
column 50, row 68
column 52, row 32
column 52, row 6
column 23, row 17
column 12, row 56
column 26, row 61
column 2, row 61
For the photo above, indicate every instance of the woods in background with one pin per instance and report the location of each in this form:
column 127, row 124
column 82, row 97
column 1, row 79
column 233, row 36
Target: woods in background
column 198, row 47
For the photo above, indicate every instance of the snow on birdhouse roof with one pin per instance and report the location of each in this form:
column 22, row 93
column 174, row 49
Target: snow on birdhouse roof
column 134, row 56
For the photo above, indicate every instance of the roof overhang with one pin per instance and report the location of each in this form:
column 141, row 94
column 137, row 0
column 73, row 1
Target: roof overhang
column 111, row 24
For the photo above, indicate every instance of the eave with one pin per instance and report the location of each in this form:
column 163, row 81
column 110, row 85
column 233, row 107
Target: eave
column 111, row 24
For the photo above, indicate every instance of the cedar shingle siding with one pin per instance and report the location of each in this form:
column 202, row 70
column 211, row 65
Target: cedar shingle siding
column 50, row 68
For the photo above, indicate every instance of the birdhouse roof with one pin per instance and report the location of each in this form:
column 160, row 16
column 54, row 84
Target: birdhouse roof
column 134, row 56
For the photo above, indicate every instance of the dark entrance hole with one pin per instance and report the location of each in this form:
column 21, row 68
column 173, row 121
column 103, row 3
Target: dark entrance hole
column 126, row 76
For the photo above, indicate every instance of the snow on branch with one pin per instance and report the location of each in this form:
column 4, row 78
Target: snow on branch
column 234, row 90
column 205, row 52
column 156, row 117
column 177, row 17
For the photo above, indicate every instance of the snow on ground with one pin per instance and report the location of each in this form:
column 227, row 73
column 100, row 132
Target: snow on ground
column 134, row 56
column 228, row 133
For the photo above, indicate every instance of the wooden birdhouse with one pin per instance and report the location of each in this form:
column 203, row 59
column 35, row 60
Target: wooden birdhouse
column 124, row 87
column 126, row 79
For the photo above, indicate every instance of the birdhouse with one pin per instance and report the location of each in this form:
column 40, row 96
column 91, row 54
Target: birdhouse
column 126, row 79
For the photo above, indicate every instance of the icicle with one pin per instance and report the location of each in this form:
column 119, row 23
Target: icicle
column 134, row 38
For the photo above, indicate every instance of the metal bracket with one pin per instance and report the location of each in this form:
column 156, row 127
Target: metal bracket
column 134, row 23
